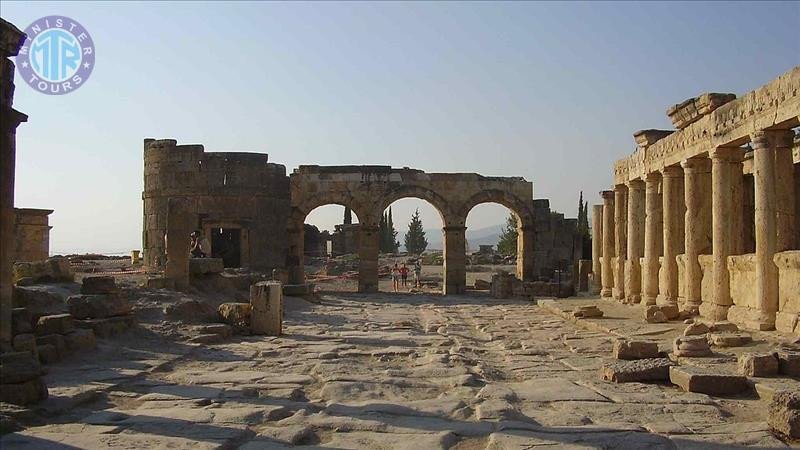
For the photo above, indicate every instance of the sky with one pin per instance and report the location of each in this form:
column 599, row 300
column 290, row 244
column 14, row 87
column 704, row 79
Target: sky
column 549, row 91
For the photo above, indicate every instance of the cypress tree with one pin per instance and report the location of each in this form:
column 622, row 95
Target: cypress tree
column 415, row 237
column 507, row 245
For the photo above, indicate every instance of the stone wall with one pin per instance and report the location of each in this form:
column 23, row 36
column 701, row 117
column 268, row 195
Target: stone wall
column 788, row 316
column 344, row 240
column 31, row 234
column 557, row 244
column 240, row 191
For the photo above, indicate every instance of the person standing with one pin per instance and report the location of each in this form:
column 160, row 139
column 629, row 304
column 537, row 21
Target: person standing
column 404, row 275
column 395, row 277
column 417, row 274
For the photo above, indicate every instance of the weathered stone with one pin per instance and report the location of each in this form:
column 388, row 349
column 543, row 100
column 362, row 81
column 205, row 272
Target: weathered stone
column 99, row 285
column 80, row 339
column 98, row 306
column 653, row 369
column 48, row 353
column 23, row 393
column 723, row 327
column 207, row 338
column 784, row 414
column 729, row 339
column 789, row 362
column 689, row 111
column 218, row 328
column 26, row 343
column 587, row 311
column 624, row 349
column 51, row 270
column 706, row 381
column 696, row 329
column 653, row 314
column 21, row 321
column 203, row 266
column 55, row 324
column 108, row 327
column 758, row 364
column 191, row 311
column 691, row 346
column 266, row 308
column 19, row 367
column 298, row 290
column 55, row 340
column 235, row 314
column 670, row 311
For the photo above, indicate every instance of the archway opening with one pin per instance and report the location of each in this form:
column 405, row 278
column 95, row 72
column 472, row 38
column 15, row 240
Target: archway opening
column 411, row 247
column 330, row 248
column 492, row 243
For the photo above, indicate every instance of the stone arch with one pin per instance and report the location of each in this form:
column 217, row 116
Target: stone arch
column 412, row 191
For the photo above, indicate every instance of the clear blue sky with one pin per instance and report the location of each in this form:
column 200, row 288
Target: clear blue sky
column 548, row 91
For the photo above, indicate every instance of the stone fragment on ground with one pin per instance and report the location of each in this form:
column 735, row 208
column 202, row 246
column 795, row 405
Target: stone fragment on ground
column 707, row 381
column 784, row 414
column 627, row 349
column 653, row 314
column 655, row 369
column 758, row 364
column 691, row 346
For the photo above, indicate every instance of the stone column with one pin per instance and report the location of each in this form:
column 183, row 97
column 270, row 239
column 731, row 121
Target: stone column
column 597, row 246
column 455, row 260
column 786, row 217
column 724, row 161
column 266, row 308
column 652, row 237
column 525, row 237
column 771, row 185
column 368, row 247
column 608, row 243
column 697, row 194
column 636, row 225
column 620, row 239
column 673, row 232
column 294, row 257
column 181, row 221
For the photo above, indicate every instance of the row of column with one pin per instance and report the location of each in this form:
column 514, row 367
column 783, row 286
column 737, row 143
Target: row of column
column 693, row 209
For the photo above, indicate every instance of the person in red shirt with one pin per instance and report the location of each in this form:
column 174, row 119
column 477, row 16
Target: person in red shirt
column 404, row 275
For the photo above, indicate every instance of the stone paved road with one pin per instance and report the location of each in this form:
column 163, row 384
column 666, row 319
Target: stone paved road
column 385, row 372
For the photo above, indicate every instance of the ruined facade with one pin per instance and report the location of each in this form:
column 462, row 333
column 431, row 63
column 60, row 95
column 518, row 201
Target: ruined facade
column 241, row 203
column 31, row 234
column 344, row 240
column 705, row 217
column 558, row 243
column 11, row 39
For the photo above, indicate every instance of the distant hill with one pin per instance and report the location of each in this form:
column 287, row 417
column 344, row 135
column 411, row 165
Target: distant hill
column 475, row 237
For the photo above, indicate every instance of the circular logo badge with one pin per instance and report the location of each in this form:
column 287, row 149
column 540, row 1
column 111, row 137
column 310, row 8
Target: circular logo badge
column 57, row 56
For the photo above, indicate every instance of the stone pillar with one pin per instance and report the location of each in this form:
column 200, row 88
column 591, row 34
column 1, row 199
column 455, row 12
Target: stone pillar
column 652, row 238
column 368, row 247
column 455, row 260
column 266, row 308
column 724, row 161
column 635, row 251
column 620, row 239
column 525, row 237
column 673, row 208
column 607, row 277
column 771, row 148
column 294, row 254
column 697, row 195
column 597, row 246
column 181, row 221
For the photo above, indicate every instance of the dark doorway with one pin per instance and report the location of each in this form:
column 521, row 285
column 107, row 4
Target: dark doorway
column 226, row 244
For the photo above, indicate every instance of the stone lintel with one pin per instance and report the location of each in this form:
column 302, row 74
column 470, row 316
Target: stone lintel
column 690, row 111
column 646, row 138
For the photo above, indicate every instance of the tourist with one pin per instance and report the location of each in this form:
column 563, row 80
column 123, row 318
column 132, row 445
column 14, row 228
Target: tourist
column 395, row 277
column 417, row 274
column 404, row 275
column 194, row 245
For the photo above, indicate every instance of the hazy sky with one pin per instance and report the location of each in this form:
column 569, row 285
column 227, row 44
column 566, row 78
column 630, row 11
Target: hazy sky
column 548, row 91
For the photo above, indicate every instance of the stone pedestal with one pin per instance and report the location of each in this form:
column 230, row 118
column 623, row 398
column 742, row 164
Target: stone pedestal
column 525, row 242
column 368, row 247
column 653, row 236
column 673, row 198
column 620, row 240
column 266, row 308
column 697, row 238
column 787, row 318
column 455, row 260
column 636, row 225
column 597, row 246
column 607, row 278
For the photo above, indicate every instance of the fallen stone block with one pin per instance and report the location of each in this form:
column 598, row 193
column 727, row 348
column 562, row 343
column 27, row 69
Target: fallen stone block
column 651, row 369
column 783, row 414
column 19, row 367
column 25, row 393
column 625, row 349
column 266, row 308
column 25, row 343
column 98, row 306
column 788, row 362
column 21, row 321
column 729, row 339
column 108, row 327
column 48, row 353
column 696, row 329
column 191, row 311
column 670, row 311
column 723, row 327
column 587, row 311
column 235, row 314
column 56, row 341
column 691, row 346
column 55, row 324
column 705, row 381
column 80, row 339
column 758, row 364
column 653, row 314
column 99, row 285
column 51, row 270
column 203, row 266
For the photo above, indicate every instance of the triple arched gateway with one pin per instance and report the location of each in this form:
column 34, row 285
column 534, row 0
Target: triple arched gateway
column 369, row 190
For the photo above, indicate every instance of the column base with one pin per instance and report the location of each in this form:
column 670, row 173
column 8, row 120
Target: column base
column 663, row 300
column 692, row 307
column 619, row 294
column 633, row 298
column 751, row 319
column 787, row 322
column 605, row 292
column 713, row 312
column 649, row 299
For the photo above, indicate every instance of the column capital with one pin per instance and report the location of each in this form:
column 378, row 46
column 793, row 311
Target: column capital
column 764, row 139
column 726, row 154
column 672, row 172
column 620, row 187
column 698, row 164
column 636, row 185
column 607, row 195
column 448, row 229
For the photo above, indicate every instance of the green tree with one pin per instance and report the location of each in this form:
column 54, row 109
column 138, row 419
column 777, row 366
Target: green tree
column 507, row 245
column 387, row 235
column 415, row 237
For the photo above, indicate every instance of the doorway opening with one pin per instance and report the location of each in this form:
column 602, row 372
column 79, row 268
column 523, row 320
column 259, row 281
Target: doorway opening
column 226, row 243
